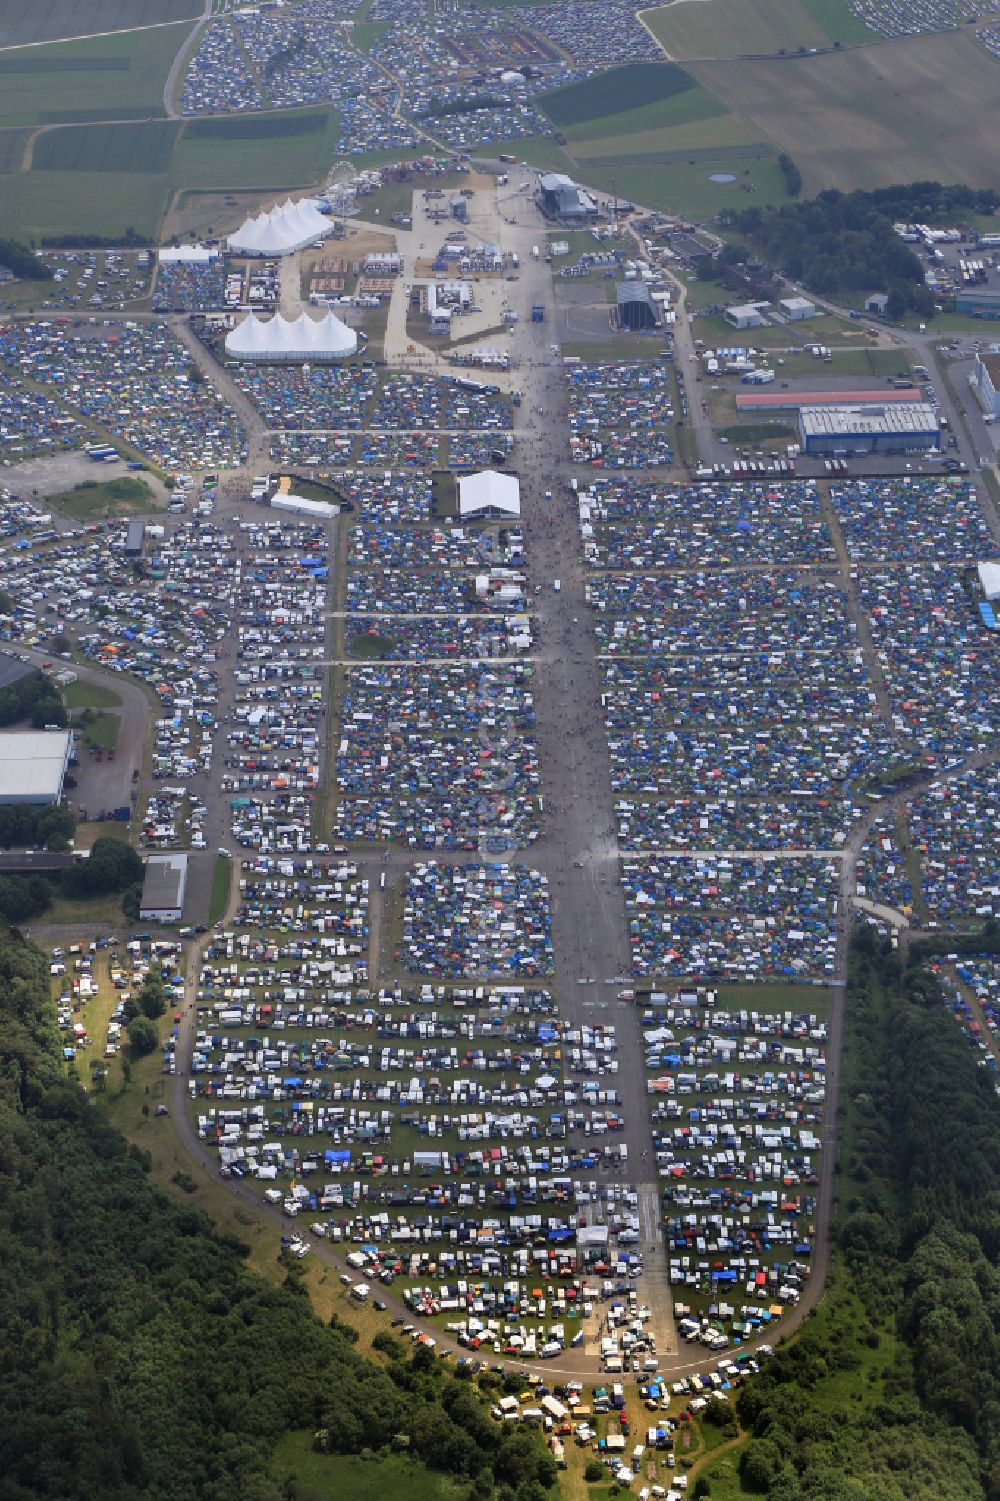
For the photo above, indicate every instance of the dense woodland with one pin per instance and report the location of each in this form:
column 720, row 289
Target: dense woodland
column 140, row 1358
column 842, row 243
column 893, row 1391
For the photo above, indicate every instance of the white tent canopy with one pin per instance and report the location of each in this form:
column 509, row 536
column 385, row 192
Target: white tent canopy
column 195, row 254
column 301, row 338
column 489, row 493
column 989, row 579
column 288, row 227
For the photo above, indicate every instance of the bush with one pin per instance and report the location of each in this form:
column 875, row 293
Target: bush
column 593, row 1472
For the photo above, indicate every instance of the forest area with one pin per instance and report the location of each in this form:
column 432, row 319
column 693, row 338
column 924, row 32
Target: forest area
column 893, row 1388
column 142, row 1360
column 840, row 243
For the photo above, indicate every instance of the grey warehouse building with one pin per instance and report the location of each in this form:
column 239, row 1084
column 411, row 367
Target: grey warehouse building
column 636, row 308
column 163, row 888
column 906, row 427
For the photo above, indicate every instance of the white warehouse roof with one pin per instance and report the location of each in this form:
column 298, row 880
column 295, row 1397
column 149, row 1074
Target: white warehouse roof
column 301, row 338
column 288, row 227
column 489, row 491
column 865, row 421
column 33, row 764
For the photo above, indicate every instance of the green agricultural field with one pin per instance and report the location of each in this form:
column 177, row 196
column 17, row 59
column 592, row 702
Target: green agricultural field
column 917, row 108
column 12, row 144
column 106, row 148
column 736, row 28
column 537, row 151
column 34, row 205
column 683, row 187
column 104, row 78
column 23, row 21
column 689, row 107
column 123, row 173
column 266, row 151
column 609, row 93
column 262, row 127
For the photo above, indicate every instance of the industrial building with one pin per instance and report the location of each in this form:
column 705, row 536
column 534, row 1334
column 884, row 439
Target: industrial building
column 977, row 303
column 163, row 888
column 489, row 494
column 745, row 315
column 877, row 303
column 636, row 309
column 33, row 765
column 290, row 339
column 287, row 228
column 985, row 381
column 12, row 669
column 905, row 428
column 134, row 538
column 796, row 309
column 776, row 401
column 562, row 199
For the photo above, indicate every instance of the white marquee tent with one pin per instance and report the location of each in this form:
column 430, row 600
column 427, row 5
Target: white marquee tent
column 301, row 338
column 288, row 227
column 489, row 494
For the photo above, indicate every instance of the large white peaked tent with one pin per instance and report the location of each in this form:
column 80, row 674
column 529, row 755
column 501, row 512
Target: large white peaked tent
column 301, row 338
column 489, row 493
column 288, row 227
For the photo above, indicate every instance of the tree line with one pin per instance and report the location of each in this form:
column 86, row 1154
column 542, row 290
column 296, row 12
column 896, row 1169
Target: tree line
column 141, row 1358
column 893, row 1389
column 23, row 262
column 35, row 697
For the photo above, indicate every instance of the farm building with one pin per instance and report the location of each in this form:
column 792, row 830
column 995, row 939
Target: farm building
column 33, row 765
column 977, row 304
column 877, row 303
column 489, row 493
column 163, row 888
column 797, row 308
column 746, row 315
column 287, row 228
column 562, row 199
column 636, row 308
column 985, row 381
column 904, row 428
column 301, row 338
